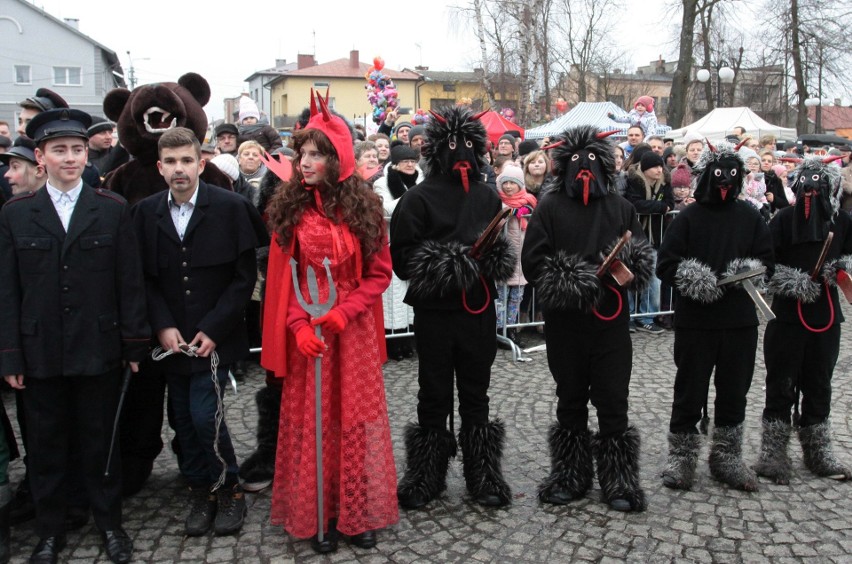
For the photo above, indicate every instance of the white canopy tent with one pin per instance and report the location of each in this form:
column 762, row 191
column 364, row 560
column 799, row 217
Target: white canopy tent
column 586, row 113
column 722, row 121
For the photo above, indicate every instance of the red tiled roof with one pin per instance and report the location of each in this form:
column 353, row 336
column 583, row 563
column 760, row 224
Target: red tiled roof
column 341, row 68
column 833, row 117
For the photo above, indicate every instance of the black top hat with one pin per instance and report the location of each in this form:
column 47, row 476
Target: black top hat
column 59, row 123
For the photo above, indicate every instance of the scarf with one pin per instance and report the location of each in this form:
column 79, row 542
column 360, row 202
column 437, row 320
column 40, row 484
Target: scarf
column 518, row 200
column 399, row 182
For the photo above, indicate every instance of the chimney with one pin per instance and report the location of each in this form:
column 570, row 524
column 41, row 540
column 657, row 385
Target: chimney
column 353, row 59
column 280, row 63
column 73, row 22
column 305, row 61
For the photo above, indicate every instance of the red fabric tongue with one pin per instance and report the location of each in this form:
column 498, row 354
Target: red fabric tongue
column 463, row 167
column 724, row 192
column 586, row 176
column 808, row 199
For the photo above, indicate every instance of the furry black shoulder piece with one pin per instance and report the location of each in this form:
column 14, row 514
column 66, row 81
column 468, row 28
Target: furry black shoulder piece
column 696, row 281
column 583, row 163
column 793, row 283
column 455, row 137
column 568, row 282
column 499, row 263
column 440, row 269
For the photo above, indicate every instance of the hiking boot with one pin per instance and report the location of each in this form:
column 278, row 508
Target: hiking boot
column 231, row 511
column 202, row 511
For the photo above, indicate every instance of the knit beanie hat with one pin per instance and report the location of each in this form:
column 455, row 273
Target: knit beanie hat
column 400, row 126
column 646, row 101
column 227, row 164
column 669, row 151
column 99, row 124
column 779, row 170
column 527, row 147
column 404, row 153
column 248, row 108
column 508, row 137
column 681, row 176
column 226, row 128
column 511, row 173
column 5, row 142
column 650, row 160
column 417, row 130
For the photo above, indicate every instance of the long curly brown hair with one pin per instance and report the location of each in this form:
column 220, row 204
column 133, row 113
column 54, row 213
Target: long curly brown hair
column 351, row 201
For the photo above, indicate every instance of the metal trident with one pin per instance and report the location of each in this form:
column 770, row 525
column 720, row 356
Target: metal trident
column 316, row 309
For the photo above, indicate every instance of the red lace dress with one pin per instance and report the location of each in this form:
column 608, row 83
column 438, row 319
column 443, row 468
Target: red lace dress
column 358, row 467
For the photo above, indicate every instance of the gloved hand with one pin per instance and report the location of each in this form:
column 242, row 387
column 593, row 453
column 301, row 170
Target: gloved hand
column 309, row 344
column 331, row 322
column 523, row 211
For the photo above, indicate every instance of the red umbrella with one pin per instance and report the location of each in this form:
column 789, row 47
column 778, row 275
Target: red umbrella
column 496, row 125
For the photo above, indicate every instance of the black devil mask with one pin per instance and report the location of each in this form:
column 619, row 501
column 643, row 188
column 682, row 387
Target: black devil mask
column 721, row 172
column 816, row 183
column 583, row 163
column 455, row 145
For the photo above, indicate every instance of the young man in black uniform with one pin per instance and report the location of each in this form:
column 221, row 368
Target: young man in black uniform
column 589, row 351
column 802, row 344
column 432, row 230
column 715, row 328
column 74, row 309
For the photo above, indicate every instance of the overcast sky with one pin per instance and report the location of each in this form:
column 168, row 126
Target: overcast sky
column 227, row 41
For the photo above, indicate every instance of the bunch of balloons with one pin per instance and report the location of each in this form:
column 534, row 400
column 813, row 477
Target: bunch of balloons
column 381, row 92
column 561, row 105
column 420, row 117
column 509, row 114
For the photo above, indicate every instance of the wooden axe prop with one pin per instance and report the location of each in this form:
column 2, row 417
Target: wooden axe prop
column 612, row 265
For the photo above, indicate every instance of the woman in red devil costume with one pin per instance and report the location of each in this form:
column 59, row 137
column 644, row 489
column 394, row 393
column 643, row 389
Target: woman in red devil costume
column 325, row 213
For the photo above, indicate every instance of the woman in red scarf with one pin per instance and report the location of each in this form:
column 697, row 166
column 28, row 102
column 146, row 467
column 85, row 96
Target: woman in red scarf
column 326, row 212
column 510, row 186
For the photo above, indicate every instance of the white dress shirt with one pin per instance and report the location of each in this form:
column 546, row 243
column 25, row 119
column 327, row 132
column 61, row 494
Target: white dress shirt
column 64, row 202
column 181, row 213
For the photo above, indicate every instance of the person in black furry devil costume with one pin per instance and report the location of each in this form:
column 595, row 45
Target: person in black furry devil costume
column 715, row 327
column 589, row 351
column 433, row 229
column 802, row 344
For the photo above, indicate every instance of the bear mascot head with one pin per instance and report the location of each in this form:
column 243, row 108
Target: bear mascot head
column 143, row 115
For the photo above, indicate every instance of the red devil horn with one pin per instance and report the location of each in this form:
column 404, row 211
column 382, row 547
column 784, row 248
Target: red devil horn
column 326, row 114
column 553, row 145
column 740, row 144
column 710, row 145
column 438, row 117
column 605, row 134
column 313, row 104
column 831, row 159
column 477, row 116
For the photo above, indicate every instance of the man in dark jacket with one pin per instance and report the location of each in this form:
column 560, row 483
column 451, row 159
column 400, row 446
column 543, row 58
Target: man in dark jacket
column 103, row 154
column 74, row 309
column 198, row 252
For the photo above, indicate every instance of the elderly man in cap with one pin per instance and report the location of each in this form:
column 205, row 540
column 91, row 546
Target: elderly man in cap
column 226, row 139
column 103, row 155
column 74, row 312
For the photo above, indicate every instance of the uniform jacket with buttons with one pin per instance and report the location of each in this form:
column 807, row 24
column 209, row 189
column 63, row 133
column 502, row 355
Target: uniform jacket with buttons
column 204, row 282
column 73, row 304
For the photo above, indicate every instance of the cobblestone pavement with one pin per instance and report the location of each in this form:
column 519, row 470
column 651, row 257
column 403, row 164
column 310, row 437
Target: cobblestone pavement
column 808, row 520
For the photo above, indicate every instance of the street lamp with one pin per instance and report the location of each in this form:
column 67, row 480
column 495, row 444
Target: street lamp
column 726, row 74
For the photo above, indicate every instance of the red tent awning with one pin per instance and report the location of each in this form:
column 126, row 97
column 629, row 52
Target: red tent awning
column 496, row 125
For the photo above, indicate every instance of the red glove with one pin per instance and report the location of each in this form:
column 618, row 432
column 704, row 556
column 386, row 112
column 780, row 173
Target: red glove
column 309, row 344
column 523, row 211
column 331, row 322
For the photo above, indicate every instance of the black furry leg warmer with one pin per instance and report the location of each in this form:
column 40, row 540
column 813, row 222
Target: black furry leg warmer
column 683, row 458
column 572, row 468
column 427, row 457
column 818, row 453
column 618, row 470
column 482, row 452
column 726, row 459
column 774, row 461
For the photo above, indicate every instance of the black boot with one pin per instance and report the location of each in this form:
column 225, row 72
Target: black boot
column 683, row 457
column 22, row 508
column 618, row 470
column 427, row 457
column 5, row 505
column 819, row 456
column 774, row 462
column 571, row 467
column 726, row 459
column 257, row 471
column 482, row 450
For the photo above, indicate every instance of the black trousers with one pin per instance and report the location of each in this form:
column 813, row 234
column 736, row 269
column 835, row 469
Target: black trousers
column 796, row 357
column 590, row 362
column 460, row 344
column 72, row 415
column 696, row 353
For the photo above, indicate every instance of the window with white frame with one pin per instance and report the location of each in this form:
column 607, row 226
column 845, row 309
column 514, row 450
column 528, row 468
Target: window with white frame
column 23, row 74
column 67, row 76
